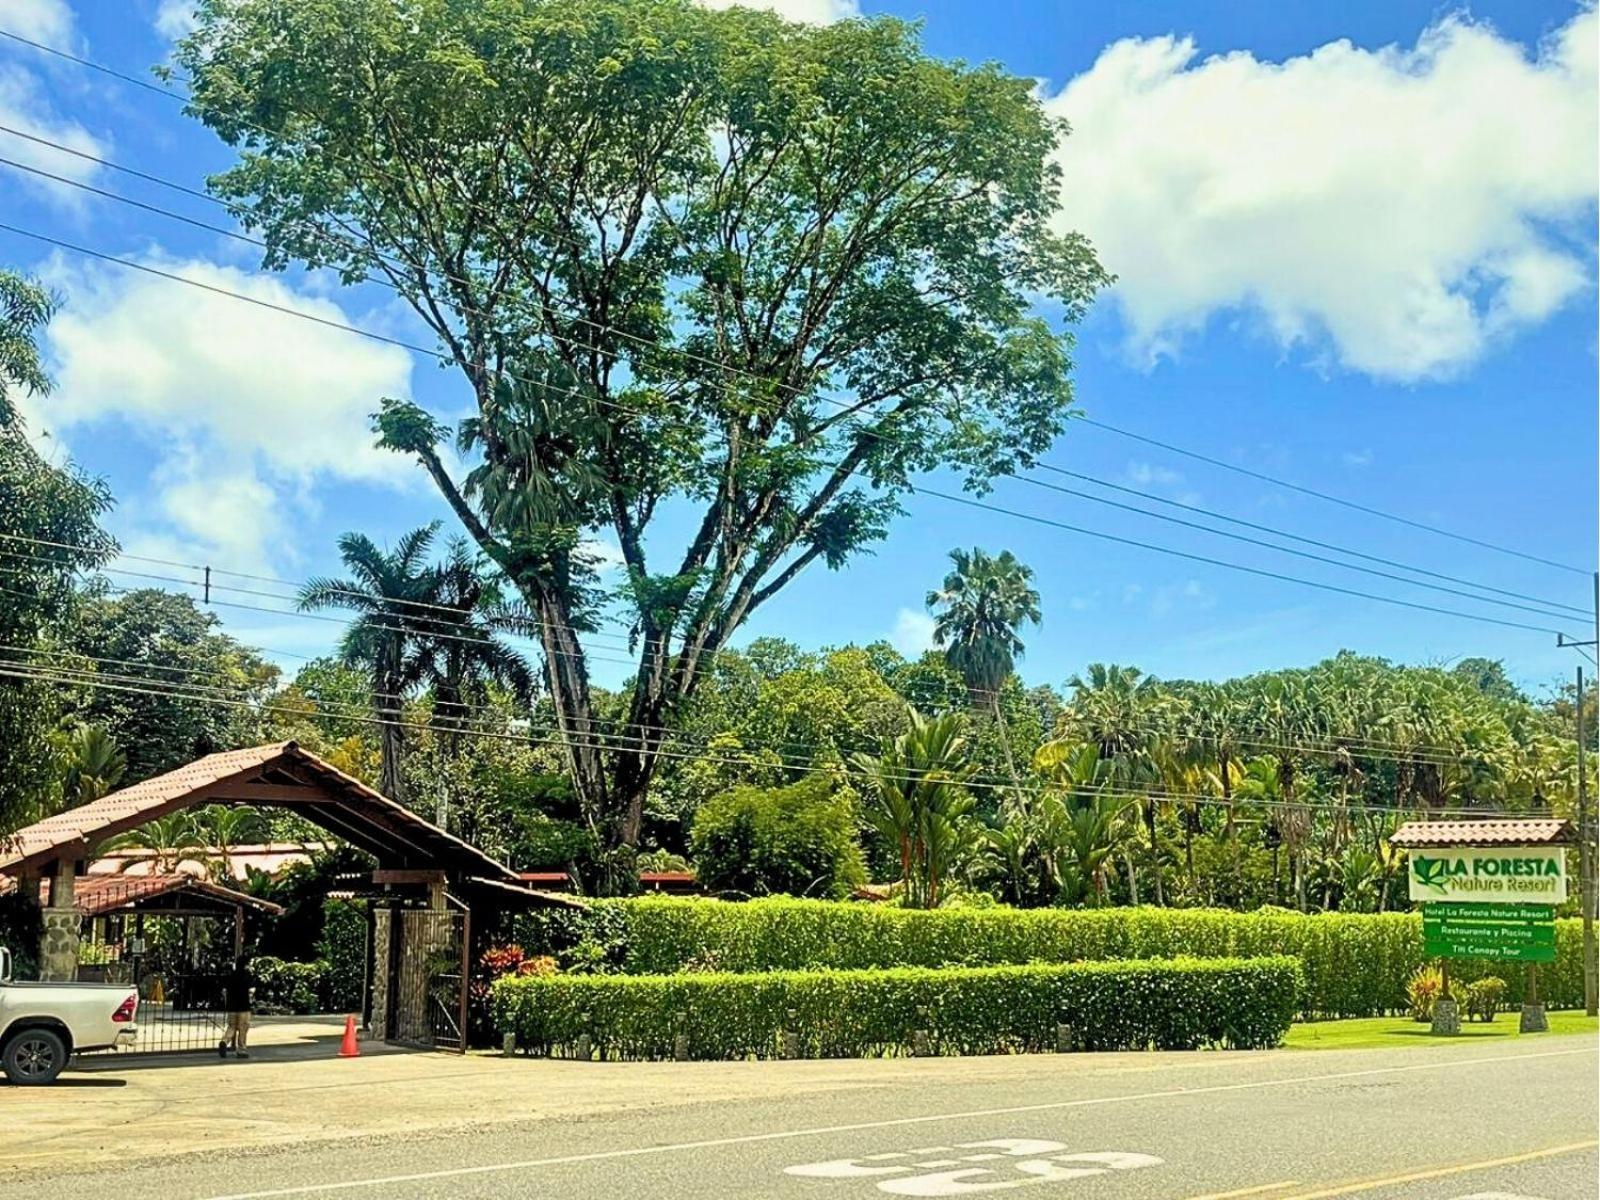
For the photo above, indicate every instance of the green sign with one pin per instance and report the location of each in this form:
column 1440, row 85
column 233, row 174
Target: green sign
column 1514, row 875
column 1508, row 932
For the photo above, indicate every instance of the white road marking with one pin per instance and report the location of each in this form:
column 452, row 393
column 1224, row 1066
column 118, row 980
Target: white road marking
column 1055, row 1169
column 1497, row 1196
column 890, row 1123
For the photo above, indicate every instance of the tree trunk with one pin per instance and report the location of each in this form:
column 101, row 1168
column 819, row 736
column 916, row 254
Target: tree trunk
column 1133, row 878
column 1155, row 853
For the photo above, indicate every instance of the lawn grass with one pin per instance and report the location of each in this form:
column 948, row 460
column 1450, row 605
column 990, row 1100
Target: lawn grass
column 1378, row 1032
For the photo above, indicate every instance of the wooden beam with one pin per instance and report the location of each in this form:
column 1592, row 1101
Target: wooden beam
column 406, row 875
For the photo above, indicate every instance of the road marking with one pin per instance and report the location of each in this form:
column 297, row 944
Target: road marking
column 1054, row 1169
column 1248, row 1191
column 1440, row 1172
column 891, row 1123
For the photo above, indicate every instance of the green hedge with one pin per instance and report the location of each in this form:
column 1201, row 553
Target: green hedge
column 293, row 987
column 1356, row 965
column 1178, row 1004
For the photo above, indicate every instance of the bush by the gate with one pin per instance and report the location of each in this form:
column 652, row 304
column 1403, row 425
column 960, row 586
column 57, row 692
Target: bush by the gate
column 288, row 987
column 1356, row 964
column 1177, row 1004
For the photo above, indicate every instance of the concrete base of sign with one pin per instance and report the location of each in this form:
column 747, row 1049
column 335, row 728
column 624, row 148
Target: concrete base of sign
column 1446, row 1018
column 1534, row 1020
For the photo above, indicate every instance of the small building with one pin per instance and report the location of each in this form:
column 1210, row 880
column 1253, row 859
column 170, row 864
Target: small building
column 429, row 886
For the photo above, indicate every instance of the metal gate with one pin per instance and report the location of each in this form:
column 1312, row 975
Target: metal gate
column 428, row 978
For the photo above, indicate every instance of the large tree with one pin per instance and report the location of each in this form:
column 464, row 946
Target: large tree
column 759, row 272
column 49, row 533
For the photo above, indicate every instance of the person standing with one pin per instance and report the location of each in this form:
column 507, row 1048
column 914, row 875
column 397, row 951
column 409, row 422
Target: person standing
column 236, row 993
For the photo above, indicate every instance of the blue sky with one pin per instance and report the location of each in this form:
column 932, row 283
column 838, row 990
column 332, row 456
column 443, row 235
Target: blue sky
column 1356, row 250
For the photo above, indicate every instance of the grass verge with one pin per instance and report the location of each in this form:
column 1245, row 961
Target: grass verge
column 1378, row 1032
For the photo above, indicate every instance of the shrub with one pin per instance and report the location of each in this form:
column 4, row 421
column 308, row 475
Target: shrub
column 1173, row 1004
column 293, row 987
column 1356, row 964
column 342, row 948
column 799, row 839
column 1423, row 990
column 1482, row 997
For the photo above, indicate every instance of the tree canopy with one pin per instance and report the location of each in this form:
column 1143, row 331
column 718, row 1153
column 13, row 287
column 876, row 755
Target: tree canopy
column 713, row 258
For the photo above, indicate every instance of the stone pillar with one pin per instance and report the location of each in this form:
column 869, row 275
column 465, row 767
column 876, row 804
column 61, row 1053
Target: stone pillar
column 58, row 945
column 382, row 938
column 58, row 935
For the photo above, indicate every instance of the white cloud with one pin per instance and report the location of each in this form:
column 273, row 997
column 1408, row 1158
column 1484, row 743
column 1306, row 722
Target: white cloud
column 912, row 633
column 603, row 554
column 1393, row 211
column 1357, row 458
column 175, row 19
column 47, row 21
column 1145, row 474
column 25, row 105
column 240, row 411
column 817, row 12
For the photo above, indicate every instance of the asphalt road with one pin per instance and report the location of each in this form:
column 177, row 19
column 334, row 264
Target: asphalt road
column 1432, row 1124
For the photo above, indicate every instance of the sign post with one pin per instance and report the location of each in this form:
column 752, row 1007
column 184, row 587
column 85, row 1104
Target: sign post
column 1489, row 902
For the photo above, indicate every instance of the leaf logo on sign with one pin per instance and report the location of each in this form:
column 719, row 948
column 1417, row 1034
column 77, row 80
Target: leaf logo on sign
column 1431, row 872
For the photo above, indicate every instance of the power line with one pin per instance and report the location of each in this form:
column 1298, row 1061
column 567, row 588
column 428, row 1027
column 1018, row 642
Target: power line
column 1260, row 572
column 1232, row 566
column 1106, row 483
column 1331, row 744
column 190, row 100
column 1306, row 554
column 24, row 671
column 1339, row 500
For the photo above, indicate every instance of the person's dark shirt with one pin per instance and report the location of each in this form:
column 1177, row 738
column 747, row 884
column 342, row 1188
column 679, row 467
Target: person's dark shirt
column 236, row 990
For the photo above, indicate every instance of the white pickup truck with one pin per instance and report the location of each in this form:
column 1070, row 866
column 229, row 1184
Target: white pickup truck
column 44, row 1024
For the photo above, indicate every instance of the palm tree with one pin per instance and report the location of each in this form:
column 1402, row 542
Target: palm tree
column 392, row 593
column 95, row 765
column 170, row 839
column 1085, row 821
column 978, row 610
column 224, row 827
column 918, row 802
column 1122, row 711
column 461, row 653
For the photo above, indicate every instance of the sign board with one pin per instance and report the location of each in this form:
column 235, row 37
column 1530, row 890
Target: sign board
column 1508, row 932
column 1502, row 875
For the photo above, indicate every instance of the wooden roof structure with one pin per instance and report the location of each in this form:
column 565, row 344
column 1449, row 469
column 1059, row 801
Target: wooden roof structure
column 278, row 775
column 1537, row 831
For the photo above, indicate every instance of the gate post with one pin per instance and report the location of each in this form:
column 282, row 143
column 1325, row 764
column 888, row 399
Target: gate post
column 382, row 940
column 58, row 934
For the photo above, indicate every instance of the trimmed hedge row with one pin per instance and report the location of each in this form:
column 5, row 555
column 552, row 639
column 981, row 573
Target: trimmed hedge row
column 1181, row 1004
column 1356, row 965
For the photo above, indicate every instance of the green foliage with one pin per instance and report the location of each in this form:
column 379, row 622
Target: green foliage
column 156, row 634
column 747, row 217
column 342, row 950
column 1355, row 964
column 288, row 987
column 1482, row 998
column 799, row 840
column 1180, row 1004
column 917, row 802
column 303, row 890
column 21, row 924
column 1423, row 990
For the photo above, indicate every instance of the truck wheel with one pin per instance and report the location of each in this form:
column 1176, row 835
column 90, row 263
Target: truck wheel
column 34, row 1056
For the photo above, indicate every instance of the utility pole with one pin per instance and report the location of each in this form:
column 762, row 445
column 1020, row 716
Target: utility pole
column 1588, row 833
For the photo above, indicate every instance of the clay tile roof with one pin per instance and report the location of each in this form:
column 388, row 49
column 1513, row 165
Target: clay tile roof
column 96, row 895
column 282, row 774
column 1533, row 832
column 124, row 809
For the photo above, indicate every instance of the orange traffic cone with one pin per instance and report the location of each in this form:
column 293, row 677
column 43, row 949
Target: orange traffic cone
column 349, row 1048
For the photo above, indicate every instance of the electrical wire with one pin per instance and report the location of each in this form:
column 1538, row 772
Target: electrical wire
column 189, row 100
column 21, row 671
column 1331, row 499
